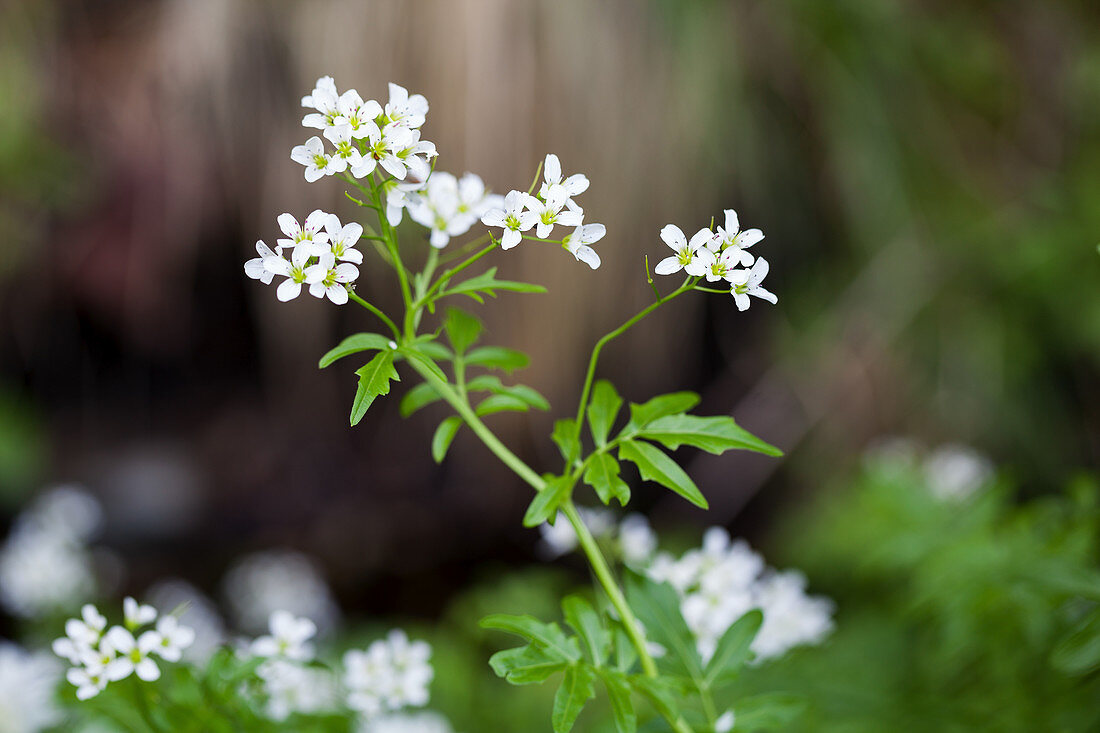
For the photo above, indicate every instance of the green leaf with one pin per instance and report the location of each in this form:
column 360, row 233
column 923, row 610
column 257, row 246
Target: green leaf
column 526, row 665
column 444, row 436
column 661, row 405
column 435, row 350
column 772, row 711
column 492, row 383
column 487, row 284
column 374, row 380
column 497, row 357
column 658, row 607
column 415, row 354
column 565, row 437
column 462, row 329
column 576, row 689
column 354, row 344
column 602, row 410
column 544, row 507
column 618, row 692
column 418, row 397
column 501, row 403
column 659, row 693
column 602, row 475
column 654, row 465
column 733, row 648
column 625, row 656
column 547, row 637
column 713, row 434
column 1078, row 652
column 580, row 615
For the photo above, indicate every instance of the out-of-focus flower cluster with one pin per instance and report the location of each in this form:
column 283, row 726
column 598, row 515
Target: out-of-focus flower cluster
column 715, row 254
column 721, row 581
column 952, row 472
column 101, row 655
column 28, row 686
column 45, row 564
column 552, row 205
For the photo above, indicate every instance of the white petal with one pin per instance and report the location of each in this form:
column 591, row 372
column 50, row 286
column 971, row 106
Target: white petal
column 315, row 120
column 764, row 295
column 346, row 273
column 439, row 239
column 289, row 225
column 551, row 169
column 576, row 184
column 543, row 230
column 758, row 272
column 353, row 255
column 592, row 233
column 394, row 166
column 741, row 300
column 494, row 218
column 588, row 256
column 288, row 290
column 668, row 265
column 338, row 294
column 700, row 239
column 748, row 238
column 510, row 239
column 674, row 237
column 570, row 218
column 732, row 225
column 317, row 289
column 148, row 670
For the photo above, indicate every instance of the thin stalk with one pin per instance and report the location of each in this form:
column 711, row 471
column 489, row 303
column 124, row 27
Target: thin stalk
column 377, row 312
column 448, row 274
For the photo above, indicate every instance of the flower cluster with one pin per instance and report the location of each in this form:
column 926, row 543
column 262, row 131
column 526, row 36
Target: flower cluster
column 445, row 205
column 45, row 564
column 100, row 655
column 28, row 686
column 715, row 255
column 322, row 256
column 552, row 205
column 632, row 539
column 391, row 674
column 365, row 134
column 723, row 580
column 952, row 472
column 261, row 584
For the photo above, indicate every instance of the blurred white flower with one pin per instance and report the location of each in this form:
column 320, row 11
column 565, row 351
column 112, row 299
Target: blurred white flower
column 294, row 688
column 449, row 206
column 137, row 614
column 196, row 611
column 955, row 472
column 134, row 655
column 747, row 282
column 259, row 584
column 559, row 538
column 28, row 684
column 391, row 674
column 289, row 638
column 637, row 541
column 424, row 722
column 791, row 618
column 725, row 722
column 174, row 638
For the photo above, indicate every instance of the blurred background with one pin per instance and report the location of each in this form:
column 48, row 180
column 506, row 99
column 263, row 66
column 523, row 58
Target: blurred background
column 926, row 174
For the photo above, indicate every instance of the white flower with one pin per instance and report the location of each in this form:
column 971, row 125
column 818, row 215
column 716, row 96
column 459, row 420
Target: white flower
column 342, row 239
column 637, row 541
column 791, row 618
column 409, row 111
column 308, row 237
column 261, row 583
column 725, row 722
column 560, row 538
column 577, row 243
column 730, row 237
column 347, row 154
column 289, row 638
column 416, row 155
column 318, row 163
column 133, row 655
column 425, row 722
column 553, row 185
column 716, row 266
column 391, row 674
column 437, row 208
column 28, row 683
column 686, row 257
column 254, row 267
column 333, row 282
column 358, row 115
column 194, row 610
column 174, row 638
column 552, row 211
column 293, row 688
column 512, row 218
column 137, row 614
column 399, row 196
column 324, row 99
column 474, row 200
column 955, row 472
column 383, row 147
column 88, row 682
column 747, row 282
column 296, row 273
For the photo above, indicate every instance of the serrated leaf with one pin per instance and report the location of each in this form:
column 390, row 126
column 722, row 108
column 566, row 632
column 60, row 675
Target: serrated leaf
column 444, row 436
column 654, row 465
column 716, row 434
column 1078, row 652
column 672, row 403
column 618, row 692
column 497, row 357
column 462, row 329
column 374, row 380
column 576, row 690
column 733, row 648
column 526, row 665
column 602, row 475
column 418, row 397
column 602, row 410
column 583, row 619
column 658, row 607
column 565, row 437
column 501, row 403
column 487, row 283
column 544, row 507
column 547, row 637
column 354, row 344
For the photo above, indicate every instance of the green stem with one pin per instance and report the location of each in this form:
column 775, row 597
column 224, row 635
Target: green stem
column 143, row 707
column 377, row 312
column 448, row 274
column 607, row 338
